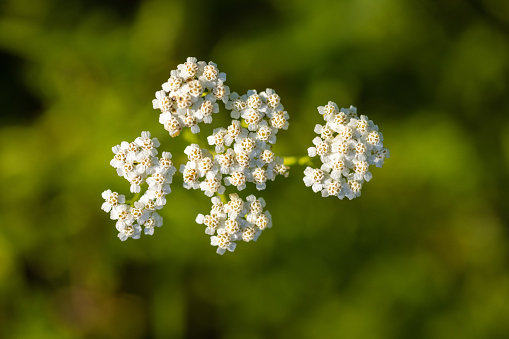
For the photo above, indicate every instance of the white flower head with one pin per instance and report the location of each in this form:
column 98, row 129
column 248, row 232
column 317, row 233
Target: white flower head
column 211, row 221
column 204, row 110
column 212, row 184
column 154, row 220
column 211, row 74
column 189, row 69
column 233, row 132
column 218, row 139
column 234, row 221
column 158, row 193
column 129, row 231
column 120, row 157
column 236, row 104
column 235, row 206
column 140, row 214
column 237, row 178
column 112, row 200
column 252, row 117
column 148, row 145
column 135, row 179
column 271, row 99
column 253, row 99
column 194, row 152
column 224, row 242
column 189, row 96
column 171, row 123
column 255, row 207
column 162, row 102
column 190, row 174
column 279, row 120
column 206, row 164
column 333, row 187
column 329, row 109
column 166, row 163
column 174, row 82
column 221, row 92
column 347, row 145
column 226, row 161
column 122, row 213
column 265, row 133
column 315, row 178
column 260, row 177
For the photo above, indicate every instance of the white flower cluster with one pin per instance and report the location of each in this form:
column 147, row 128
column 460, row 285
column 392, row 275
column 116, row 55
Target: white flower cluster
column 235, row 220
column 137, row 162
column 189, row 96
column 243, row 154
column 347, row 146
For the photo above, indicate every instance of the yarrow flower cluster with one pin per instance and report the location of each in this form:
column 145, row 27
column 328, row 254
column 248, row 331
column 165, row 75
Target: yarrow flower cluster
column 137, row 163
column 189, row 96
column 347, row 145
column 235, row 220
column 241, row 154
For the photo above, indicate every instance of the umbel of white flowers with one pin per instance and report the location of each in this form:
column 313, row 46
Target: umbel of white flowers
column 235, row 220
column 137, row 163
column 241, row 155
column 347, row 145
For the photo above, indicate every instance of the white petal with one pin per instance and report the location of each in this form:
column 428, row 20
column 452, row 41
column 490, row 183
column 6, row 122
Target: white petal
column 368, row 176
column 106, row 194
column 317, row 187
column 199, row 219
column 308, row 181
column 312, row 151
column 106, row 207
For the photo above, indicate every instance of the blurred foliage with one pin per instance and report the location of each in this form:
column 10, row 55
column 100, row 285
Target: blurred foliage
column 422, row 254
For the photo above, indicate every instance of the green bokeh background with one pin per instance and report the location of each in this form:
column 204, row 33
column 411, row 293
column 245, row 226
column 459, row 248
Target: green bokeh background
column 422, row 254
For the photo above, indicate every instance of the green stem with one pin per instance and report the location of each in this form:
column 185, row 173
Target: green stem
column 223, row 198
column 298, row 161
column 136, row 196
column 133, row 199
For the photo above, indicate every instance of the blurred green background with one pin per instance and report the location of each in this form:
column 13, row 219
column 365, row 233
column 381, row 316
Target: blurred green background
column 422, row 254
